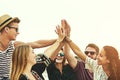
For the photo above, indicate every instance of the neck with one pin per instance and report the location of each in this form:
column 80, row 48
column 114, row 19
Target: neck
column 106, row 70
column 28, row 72
column 59, row 66
column 28, row 69
column 4, row 42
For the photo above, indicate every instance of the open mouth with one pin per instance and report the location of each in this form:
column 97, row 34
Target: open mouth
column 59, row 58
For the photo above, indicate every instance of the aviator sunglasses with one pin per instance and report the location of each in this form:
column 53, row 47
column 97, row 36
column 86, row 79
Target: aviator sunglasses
column 91, row 52
column 14, row 28
column 61, row 54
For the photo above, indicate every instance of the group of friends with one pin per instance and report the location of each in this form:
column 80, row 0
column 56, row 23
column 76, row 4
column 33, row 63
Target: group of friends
column 19, row 62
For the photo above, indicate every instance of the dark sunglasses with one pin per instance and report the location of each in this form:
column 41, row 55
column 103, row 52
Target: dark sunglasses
column 61, row 54
column 91, row 52
column 14, row 28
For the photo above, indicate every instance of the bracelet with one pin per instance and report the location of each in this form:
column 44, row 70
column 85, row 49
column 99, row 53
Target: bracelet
column 41, row 58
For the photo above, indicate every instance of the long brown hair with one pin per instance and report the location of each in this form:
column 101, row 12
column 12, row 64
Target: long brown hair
column 19, row 61
column 114, row 65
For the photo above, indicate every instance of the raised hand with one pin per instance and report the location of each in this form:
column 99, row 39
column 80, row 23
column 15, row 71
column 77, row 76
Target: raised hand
column 66, row 27
column 61, row 33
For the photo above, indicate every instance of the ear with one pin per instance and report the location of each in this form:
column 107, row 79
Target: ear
column 6, row 29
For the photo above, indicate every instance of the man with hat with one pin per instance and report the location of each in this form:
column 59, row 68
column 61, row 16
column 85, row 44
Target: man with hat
column 8, row 31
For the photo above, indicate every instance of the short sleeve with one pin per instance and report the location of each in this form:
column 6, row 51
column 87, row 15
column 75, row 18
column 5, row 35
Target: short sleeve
column 90, row 63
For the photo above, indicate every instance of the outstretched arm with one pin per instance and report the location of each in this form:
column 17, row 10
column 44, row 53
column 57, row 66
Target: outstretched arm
column 70, row 58
column 72, row 45
column 75, row 49
column 52, row 51
column 38, row 43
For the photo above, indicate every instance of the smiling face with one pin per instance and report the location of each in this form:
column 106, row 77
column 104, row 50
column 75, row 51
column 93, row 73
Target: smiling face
column 60, row 57
column 102, row 59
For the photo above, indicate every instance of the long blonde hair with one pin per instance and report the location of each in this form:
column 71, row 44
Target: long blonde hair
column 19, row 61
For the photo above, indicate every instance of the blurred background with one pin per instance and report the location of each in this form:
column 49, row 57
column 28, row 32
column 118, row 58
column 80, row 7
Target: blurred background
column 91, row 21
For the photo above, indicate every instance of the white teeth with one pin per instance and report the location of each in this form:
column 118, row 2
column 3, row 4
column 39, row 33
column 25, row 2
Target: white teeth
column 59, row 58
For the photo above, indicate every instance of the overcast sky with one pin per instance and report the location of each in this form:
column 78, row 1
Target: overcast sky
column 91, row 21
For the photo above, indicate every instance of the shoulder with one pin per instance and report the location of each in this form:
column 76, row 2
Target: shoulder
column 17, row 43
column 39, row 68
column 80, row 65
column 67, row 67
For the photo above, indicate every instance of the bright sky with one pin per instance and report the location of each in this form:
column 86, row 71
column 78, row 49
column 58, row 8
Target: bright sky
column 91, row 21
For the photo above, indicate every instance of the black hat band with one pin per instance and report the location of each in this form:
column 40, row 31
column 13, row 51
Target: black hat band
column 6, row 21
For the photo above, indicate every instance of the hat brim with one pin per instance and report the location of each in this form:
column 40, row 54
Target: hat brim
column 7, row 23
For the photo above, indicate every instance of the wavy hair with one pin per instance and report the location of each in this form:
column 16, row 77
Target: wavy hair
column 114, row 65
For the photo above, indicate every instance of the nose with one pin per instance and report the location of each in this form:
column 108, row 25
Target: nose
column 97, row 57
column 89, row 54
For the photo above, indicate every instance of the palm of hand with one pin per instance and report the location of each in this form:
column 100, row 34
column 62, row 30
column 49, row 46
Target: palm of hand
column 60, row 32
column 66, row 27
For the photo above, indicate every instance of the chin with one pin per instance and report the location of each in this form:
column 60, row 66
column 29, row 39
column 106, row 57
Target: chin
column 59, row 61
column 34, row 62
column 99, row 63
column 14, row 39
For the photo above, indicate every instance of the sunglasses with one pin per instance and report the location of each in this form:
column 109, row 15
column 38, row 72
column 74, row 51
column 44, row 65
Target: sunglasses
column 91, row 52
column 14, row 28
column 61, row 54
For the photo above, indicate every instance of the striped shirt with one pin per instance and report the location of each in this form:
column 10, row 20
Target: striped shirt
column 5, row 60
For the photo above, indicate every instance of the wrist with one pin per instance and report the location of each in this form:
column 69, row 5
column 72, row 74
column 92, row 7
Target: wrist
column 68, row 39
column 58, row 40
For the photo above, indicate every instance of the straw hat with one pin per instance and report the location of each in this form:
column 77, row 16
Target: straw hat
column 5, row 20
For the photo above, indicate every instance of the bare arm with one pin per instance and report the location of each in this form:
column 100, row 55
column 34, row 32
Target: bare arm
column 72, row 45
column 38, row 43
column 75, row 49
column 71, row 59
column 41, row 43
column 52, row 51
